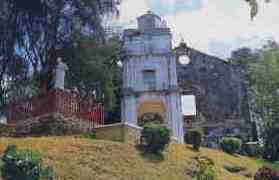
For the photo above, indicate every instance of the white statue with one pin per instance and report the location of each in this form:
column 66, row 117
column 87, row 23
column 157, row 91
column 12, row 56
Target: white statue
column 59, row 74
column 3, row 119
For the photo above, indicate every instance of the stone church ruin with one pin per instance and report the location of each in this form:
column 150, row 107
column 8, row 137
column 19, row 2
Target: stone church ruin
column 182, row 87
column 149, row 76
column 221, row 97
column 155, row 81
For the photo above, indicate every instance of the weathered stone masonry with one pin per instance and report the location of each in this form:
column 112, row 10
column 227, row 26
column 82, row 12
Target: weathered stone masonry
column 220, row 92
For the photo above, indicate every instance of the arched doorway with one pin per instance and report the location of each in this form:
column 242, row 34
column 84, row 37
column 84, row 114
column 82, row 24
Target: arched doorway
column 151, row 110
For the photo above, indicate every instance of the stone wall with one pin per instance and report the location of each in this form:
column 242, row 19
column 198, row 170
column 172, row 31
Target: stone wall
column 113, row 132
column 220, row 92
column 132, row 135
column 55, row 124
column 7, row 130
column 119, row 132
column 50, row 124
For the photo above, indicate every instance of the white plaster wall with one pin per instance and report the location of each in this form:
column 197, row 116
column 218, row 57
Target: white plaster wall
column 173, row 73
column 133, row 72
column 129, row 112
column 152, row 51
column 148, row 44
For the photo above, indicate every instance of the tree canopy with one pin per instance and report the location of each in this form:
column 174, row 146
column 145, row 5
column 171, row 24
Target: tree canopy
column 34, row 33
column 254, row 7
column 261, row 68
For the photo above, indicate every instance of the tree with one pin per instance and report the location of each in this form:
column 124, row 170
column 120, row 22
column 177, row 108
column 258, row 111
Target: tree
column 254, row 7
column 35, row 31
column 261, row 71
column 13, row 74
column 242, row 57
column 264, row 77
column 94, row 70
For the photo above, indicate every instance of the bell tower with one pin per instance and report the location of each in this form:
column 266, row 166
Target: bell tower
column 149, row 76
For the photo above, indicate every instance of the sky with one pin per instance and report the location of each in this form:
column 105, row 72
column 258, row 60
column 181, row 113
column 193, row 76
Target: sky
column 216, row 27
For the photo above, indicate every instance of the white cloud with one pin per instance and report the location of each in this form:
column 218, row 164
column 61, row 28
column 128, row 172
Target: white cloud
column 217, row 23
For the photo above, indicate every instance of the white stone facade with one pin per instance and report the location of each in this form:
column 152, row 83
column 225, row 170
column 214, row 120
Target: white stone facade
column 149, row 75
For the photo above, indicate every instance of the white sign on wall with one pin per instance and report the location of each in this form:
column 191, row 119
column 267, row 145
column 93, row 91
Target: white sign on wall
column 188, row 105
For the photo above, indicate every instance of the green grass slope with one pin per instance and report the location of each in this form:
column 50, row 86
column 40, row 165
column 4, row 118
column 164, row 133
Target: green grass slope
column 84, row 159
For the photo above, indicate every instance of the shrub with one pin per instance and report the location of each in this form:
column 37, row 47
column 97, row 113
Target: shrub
column 194, row 137
column 267, row 173
column 206, row 169
column 188, row 137
column 24, row 165
column 235, row 169
column 41, row 129
column 230, row 145
column 7, row 131
column 197, row 139
column 271, row 138
column 256, row 151
column 154, row 137
column 90, row 135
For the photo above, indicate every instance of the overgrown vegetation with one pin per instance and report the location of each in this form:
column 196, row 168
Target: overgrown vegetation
column 90, row 135
column 265, row 82
column 95, row 73
column 34, row 35
column 154, row 137
column 230, row 145
column 83, row 159
column 206, row 169
column 194, row 137
column 24, row 165
column 267, row 173
column 255, row 151
column 260, row 68
column 254, row 4
column 235, row 169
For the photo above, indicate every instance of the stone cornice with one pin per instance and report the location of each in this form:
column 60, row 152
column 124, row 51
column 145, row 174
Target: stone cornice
column 154, row 32
column 131, row 92
column 146, row 55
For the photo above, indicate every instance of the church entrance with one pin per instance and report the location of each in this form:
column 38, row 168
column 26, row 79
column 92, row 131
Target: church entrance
column 151, row 111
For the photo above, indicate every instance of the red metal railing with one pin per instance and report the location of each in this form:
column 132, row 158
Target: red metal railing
column 56, row 101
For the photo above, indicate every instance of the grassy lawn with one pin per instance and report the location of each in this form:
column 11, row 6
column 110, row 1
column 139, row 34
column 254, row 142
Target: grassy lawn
column 83, row 159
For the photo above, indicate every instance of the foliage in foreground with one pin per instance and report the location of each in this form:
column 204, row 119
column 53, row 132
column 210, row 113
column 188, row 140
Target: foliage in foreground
column 230, row 145
column 24, row 165
column 90, row 135
column 154, row 137
column 264, row 79
column 260, row 68
column 194, row 137
column 267, row 173
column 255, row 151
column 235, row 169
column 206, row 169
column 43, row 28
column 113, row 160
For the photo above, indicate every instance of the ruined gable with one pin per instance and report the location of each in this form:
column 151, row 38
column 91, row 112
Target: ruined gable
column 219, row 88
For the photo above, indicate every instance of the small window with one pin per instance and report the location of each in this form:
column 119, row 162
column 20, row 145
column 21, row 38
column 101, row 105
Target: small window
column 149, row 79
